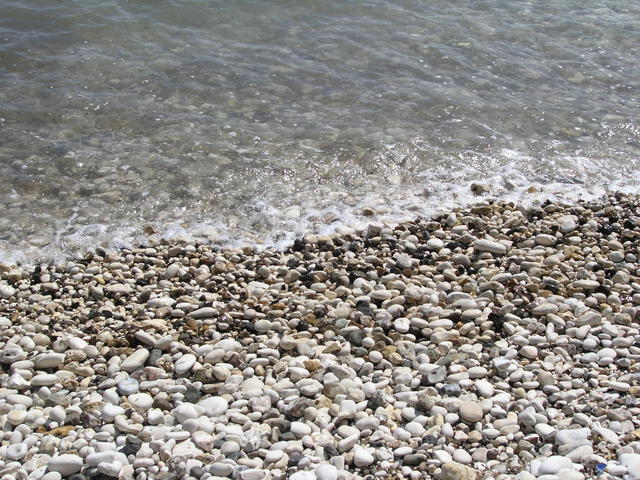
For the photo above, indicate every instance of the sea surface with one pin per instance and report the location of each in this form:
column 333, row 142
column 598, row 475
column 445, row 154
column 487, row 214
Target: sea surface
column 237, row 122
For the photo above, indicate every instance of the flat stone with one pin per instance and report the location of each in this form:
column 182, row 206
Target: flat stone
column 586, row 284
column 135, row 361
column 66, row 464
column 16, row 451
column 491, row 246
column 204, row 312
column 44, row 379
column 221, row 469
column 141, row 401
column 128, row 386
column 161, row 302
column 48, row 360
column 300, row 429
column 554, row 464
column 185, row 363
column 272, row 456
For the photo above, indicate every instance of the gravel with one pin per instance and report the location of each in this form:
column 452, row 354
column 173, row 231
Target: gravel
column 495, row 342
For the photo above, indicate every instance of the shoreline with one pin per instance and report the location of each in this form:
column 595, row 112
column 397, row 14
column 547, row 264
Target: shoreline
column 487, row 342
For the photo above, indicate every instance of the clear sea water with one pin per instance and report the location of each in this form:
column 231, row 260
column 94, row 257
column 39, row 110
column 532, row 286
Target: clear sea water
column 255, row 121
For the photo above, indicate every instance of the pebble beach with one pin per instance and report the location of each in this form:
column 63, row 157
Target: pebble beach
column 492, row 342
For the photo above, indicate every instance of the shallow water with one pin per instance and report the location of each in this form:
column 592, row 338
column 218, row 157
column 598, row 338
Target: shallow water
column 255, row 121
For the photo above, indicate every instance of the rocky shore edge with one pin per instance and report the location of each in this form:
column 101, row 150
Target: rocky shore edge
column 493, row 342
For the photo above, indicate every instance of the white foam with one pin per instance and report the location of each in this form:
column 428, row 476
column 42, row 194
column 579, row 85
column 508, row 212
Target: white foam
column 513, row 176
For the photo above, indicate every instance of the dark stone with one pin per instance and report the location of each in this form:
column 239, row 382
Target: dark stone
column 298, row 245
column 330, row 451
column 356, row 337
column 73, row 418
column 196, row 471
column 451, row 390
column 130, row 448
column 378, row 400
column 77, row 476
column 430, row 439
column 294, row 459
column 364, row 308
column 193, row 394
column 414, row 459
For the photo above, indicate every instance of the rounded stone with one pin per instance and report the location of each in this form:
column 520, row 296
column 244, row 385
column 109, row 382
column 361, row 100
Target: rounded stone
column 66, row 464
column 185, row 363
column 214, row 406
column 471, row 411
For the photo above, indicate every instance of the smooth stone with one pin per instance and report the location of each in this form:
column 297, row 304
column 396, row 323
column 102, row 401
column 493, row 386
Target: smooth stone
column 109, row 456
column 545, row 430
column 437, row 375
column 404, row 261
column 214, row 406
column 262, row 326
column 204, row 312
column 567, row 474
column 185, row 411
column 632, row 462
column 402, row 325
column 66, row 464
column 326, row 471
column 221, row 469
column 6, row 291
column 470, row 411
column 48, row 475
column 462, row 456
column 203, row 440
column 254, row 474
column 110, row 412
column 348, row 443
column 135, row 361
column 16, row 417
column 303, row 475
column 272, row 456
column 48, row 360
column 18, row 399
column 554, row 464
column 573, row 435
column 435, row 244
column 485, row 388
column 580, row 453
column 141, row 401
column 44, row 379
column 161, row 302
column 185, row 363
column 586, row 284
column 300, row 429
column 361, row 456
column 128, row 386
column 485, row 245
column 16, row 451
